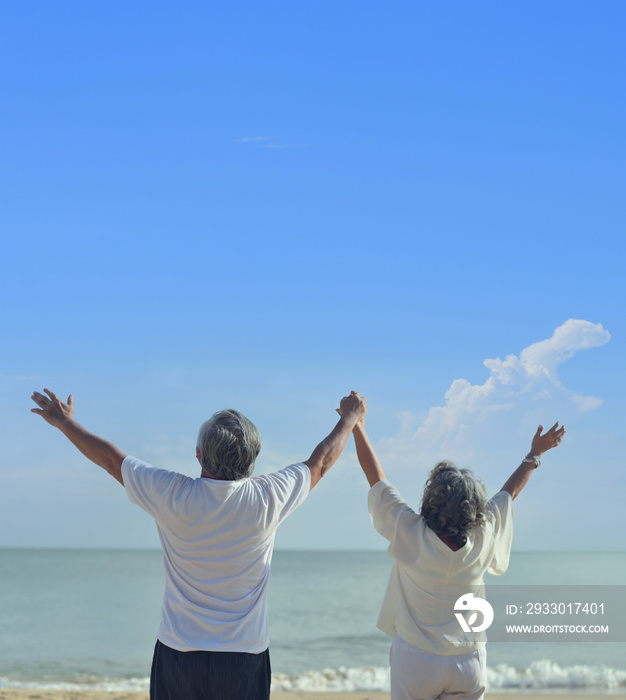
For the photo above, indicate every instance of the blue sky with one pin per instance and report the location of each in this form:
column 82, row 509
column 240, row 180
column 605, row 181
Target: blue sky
column 265, row 205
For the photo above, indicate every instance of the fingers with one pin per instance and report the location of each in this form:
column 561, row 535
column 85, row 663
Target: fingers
column 555, row 433
column 354, row 395
column 39, row 398
column 51, row 398
column 353, row 403
column 43, row 400
column 552, row 431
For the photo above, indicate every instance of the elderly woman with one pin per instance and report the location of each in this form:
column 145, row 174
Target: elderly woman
column 457, row 537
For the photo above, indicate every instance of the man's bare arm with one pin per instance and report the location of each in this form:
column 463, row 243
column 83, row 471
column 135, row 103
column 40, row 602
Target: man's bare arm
column 61, row 416
column 352, row 408
column 540, row 444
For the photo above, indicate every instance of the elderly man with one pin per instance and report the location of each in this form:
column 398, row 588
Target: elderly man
column 217, row 533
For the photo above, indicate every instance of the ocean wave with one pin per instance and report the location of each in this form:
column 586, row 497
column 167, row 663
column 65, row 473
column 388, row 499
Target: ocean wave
column 544, row 674
column 548, row 674
column 341, row 679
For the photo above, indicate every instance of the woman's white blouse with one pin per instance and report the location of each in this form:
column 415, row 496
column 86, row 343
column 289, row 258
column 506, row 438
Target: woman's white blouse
column 428, row 577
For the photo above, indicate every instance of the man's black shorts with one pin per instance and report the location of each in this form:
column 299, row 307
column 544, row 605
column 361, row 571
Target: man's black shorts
column 209, row 675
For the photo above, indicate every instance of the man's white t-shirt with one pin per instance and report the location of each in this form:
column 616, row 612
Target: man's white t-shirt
column 217, row 539
column 427, row 576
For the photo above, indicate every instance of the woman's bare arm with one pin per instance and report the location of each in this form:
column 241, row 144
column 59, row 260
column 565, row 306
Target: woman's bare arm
column 540, row 444
column 367, row 457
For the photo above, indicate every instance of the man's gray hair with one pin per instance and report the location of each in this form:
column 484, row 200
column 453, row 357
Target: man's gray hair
column 454, row 502
column 229, row 444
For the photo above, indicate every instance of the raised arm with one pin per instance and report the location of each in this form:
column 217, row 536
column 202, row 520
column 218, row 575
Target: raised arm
column 61, row 416
column 540, row 444
column 352, row 409
column 367, row 457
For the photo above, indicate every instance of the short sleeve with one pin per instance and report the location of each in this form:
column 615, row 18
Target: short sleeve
column 395, row 521
column 287, row 489
column 500, row 513
column 147, row 486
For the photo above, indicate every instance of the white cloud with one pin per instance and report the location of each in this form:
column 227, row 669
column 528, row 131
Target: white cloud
column 519, row 391
column 539, row 361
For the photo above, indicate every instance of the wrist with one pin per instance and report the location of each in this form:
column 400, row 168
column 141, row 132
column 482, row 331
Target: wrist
column 532, row 458
column 65, row 423
column 350, row 419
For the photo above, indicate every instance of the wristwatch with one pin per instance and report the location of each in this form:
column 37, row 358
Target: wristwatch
column 532, row 457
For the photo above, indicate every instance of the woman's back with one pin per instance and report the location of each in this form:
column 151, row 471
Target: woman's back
column 428, row 576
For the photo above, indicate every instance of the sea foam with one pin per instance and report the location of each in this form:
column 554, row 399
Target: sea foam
column 548, row 674
column 544, row 674
column 341, row 679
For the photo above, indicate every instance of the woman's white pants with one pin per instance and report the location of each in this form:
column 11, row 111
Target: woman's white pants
column 419, row 675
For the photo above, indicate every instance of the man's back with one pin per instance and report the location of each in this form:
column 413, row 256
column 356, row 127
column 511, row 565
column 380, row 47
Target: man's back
column 217, row 534
column 217, row 539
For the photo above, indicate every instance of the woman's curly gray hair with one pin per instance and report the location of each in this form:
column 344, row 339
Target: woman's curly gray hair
column 454, row 502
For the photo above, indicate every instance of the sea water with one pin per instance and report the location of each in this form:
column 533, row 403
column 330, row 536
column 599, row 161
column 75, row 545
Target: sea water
column 75, row 619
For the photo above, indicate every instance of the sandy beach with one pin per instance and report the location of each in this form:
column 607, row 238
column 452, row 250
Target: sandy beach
column 298, row 695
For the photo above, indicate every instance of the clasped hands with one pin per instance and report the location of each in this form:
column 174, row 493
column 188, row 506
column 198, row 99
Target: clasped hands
column 353, row 406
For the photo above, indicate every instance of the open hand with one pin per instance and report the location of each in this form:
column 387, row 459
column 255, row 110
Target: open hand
column 51, row 408
column 551, row 438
